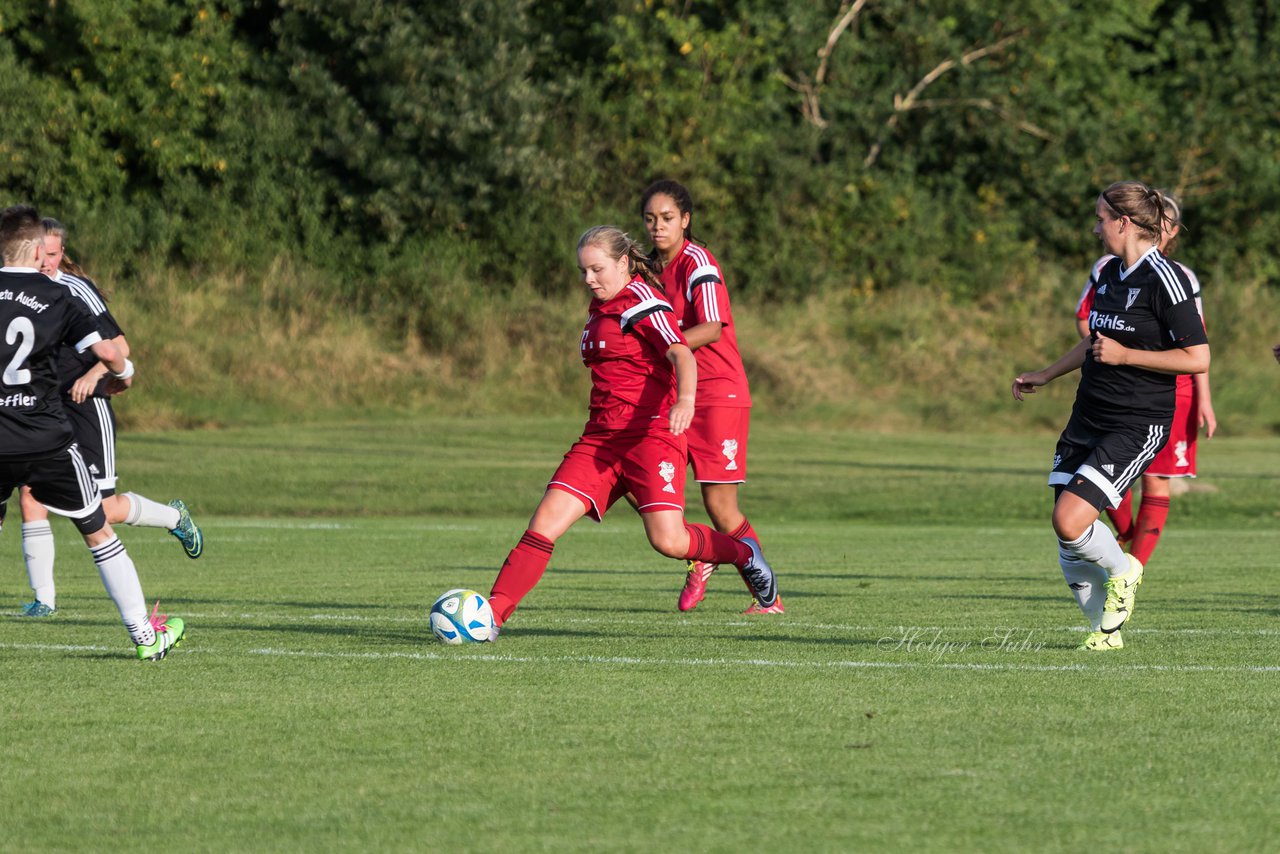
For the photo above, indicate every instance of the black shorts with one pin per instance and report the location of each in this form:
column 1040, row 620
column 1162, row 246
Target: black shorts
column 1100, row 464
column 94, row 422
column 61, row 483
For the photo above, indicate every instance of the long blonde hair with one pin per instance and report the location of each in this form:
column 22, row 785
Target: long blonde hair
column 617, row 243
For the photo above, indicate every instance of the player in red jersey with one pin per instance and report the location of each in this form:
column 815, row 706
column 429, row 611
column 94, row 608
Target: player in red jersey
column 643, row 387
column 694, row 285
column 1144, row 331
column 1194, row 410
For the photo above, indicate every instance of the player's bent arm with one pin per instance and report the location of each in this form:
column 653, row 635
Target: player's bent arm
column 1026, row 383
column 681, row 358
column 703, row 334
column 1082, row 326
column 85, row 385
column 1179, row 360
column 109, row 354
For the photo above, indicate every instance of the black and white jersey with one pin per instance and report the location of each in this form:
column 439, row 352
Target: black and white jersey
column 36, row 318
column 1150, row 306
column 72, row 364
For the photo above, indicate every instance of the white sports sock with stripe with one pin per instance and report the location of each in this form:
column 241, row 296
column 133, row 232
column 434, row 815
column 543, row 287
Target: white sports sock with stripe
column 145, row 513
column 121, row 580
column 1088, row 584
column 1098, row 545
column 37, row 551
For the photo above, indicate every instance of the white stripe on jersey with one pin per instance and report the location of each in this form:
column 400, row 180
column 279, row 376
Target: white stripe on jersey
column 84, row 291
column 658, row 311
column 1195, row 288
column 88, row 341
column 711, row 301
column 704, row 267
column 1171, row 283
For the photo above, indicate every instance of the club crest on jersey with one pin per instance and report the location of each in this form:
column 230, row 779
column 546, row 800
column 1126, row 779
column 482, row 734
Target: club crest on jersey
column 667, row 472
column 730, row 449
column 1133, row 295
column 1102, row 289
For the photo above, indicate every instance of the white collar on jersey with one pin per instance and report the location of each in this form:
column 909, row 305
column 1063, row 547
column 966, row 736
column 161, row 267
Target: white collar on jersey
column 1124, row 274
column 18, row 270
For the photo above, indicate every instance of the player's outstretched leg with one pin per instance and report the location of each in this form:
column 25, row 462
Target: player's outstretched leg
column 187, row 531
column 762, row 581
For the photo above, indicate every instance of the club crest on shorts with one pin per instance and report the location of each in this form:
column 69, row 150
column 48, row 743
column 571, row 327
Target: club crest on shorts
column 730, row 449
column 667, row 471
column 1180, row 451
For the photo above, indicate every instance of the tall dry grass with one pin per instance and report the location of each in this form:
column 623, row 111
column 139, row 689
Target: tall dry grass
column 277, row 346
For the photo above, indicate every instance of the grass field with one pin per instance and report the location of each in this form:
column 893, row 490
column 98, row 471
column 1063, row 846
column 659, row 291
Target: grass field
column 921, row 693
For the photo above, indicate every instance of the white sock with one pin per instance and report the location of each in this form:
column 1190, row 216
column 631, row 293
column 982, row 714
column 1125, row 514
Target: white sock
column 121, row 580
column 145, row 513
column 1088, row 584
column 37, row 550
column 1098, row 545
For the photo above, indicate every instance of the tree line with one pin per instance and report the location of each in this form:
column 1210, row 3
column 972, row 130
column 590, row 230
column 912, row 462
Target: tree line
column 413, row 150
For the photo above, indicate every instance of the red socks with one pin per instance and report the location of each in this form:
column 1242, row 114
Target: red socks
column 520, row 572
column 1122, row 518
column 1152, row 513
column 745, row 530
column 712, row 546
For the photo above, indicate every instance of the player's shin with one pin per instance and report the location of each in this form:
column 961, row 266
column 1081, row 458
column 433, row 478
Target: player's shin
column 520, row 572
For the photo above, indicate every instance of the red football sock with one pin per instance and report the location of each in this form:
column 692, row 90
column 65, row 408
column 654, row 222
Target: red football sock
column 714, row 547
column 1152, row 513
column 745, row 530
column 1122, row 517
column 520, row 572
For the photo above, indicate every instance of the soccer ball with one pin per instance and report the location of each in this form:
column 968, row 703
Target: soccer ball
column 461, row 616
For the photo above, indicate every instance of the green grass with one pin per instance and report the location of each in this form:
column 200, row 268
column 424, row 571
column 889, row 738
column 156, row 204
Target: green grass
column 921, row 692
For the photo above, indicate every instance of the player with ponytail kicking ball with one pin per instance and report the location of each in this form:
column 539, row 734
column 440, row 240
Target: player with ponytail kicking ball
column 1144, row 331
column 643, row 388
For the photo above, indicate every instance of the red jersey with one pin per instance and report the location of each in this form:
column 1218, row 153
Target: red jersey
column 695, row 286
column 1085, row 305
column 625, row 345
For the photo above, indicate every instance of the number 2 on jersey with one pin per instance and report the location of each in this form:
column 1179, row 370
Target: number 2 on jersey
column 21, row 330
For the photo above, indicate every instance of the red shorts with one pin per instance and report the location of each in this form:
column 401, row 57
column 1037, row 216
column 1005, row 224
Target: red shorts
column 718, row 443
column 601, row 468
column 1178, row 457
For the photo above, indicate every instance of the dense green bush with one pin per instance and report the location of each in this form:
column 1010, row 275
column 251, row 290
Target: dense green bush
column 420, row 154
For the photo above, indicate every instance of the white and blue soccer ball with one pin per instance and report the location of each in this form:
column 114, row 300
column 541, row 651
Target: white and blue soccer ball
column 462, row 616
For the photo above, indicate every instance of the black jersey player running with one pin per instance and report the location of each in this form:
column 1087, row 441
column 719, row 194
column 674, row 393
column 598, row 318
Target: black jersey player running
column 1144, row 330
column 86, row 400
column 37, row 444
